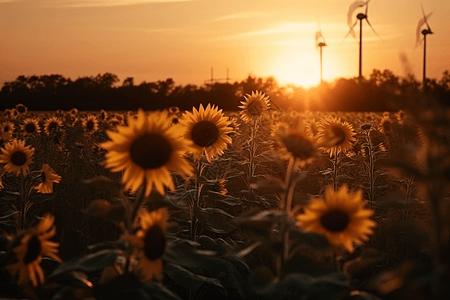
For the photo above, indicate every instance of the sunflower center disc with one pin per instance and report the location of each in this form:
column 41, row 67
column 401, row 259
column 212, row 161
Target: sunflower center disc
column 6, row 129
column 90, row 125
column 154, row 242
column 205, row 133
column 338, row 135
column 150, row 151
column 254, row 108
column 33, row 250
column 18, row 158
column 30, row 128
column 335, row 220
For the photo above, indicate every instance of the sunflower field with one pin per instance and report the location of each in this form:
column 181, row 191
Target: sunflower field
column 205, row 204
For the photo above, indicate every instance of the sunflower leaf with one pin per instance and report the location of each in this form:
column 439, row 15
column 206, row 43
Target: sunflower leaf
column 310, row 240
column 189, row 280
column 219, row 220
column 88, row 263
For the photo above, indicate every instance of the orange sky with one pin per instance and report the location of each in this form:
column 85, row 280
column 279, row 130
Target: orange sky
column 153, row 40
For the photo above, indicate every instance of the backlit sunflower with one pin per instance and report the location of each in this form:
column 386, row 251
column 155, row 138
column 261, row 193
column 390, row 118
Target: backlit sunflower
column 17, row 157
column 293, row 142
column 52, row 124
column 254, row 106
column 150, row 240
column 47, row 177
column 6, row 130
column 337, row 136
column 147, row 150
column 30, row 126
column 73, row 112
column 90, row 124
column 28, row 250
column 207, row 131
column 14, row 113
column 21, row 109
column 340, row 216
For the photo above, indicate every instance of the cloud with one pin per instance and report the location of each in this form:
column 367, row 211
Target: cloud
column 237, row 16
column 103, row 3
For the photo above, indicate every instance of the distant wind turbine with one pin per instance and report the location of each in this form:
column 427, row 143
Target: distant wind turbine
column 423, row 21
column 320, row 42
column 359, row 17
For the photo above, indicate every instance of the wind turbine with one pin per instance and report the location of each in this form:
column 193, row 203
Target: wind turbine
column 423, row 21
column 320, row 42
column 359, row 17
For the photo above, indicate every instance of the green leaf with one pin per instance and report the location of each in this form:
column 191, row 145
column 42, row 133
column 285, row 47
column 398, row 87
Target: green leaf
column 184, row 254
column 88, row 263
column 220, row 221
column 189, row 280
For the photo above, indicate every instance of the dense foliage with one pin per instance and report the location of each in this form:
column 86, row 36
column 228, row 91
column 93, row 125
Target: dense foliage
column 382, row 91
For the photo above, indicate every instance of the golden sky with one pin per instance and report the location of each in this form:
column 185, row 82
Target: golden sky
column 154, row 40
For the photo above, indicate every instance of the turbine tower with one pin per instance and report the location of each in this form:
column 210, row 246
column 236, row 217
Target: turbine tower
column 359, row 17
column 320, row 43
column 424, row 32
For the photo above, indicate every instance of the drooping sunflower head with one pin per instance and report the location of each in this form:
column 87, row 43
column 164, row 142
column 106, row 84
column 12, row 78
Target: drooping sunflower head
column 47, row 177
column 90, row 124
column 294, row 142
column 254, row 106
column 30, row 126
column 207, row 131
column 336, row 136
column 52, row 124
column 28, row 249
column 340, row 216
column 147, row 150
column 17, row 157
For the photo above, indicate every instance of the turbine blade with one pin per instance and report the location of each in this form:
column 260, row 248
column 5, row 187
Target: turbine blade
column 367, row 7
column 351, row 32
column 426, row 19
column 352, row 9
column 367, row 20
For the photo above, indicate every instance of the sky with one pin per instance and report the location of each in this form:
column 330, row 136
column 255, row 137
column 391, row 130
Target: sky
column 190, row 40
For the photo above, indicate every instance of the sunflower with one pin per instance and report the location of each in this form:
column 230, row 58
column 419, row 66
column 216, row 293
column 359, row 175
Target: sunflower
column 14, row 113
column 294, row 142
column 90, row 124
column 17, row 157
column 337, row 136
column 48, row 177
column 73, row 112
column 147, row 150
column 6, row 129
column 340, row 216
column 21, row 109
column 29, row 248
column 52, row 124
column 103, row 115
column 30, row 126
column 207, row 131
column 254, row 106
column 150, row 240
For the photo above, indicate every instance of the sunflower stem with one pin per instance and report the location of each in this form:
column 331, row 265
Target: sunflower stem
column 196, row 201
column 335, row 163
column 138, row 203
column 22, row 203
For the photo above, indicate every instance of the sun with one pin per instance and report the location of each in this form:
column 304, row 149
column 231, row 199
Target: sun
column 300, row 66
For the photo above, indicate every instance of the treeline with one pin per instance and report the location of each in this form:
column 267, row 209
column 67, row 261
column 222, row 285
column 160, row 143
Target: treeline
column 380, row 92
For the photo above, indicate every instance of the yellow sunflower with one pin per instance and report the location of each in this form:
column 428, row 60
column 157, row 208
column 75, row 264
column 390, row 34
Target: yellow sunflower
column 254, row 106
column 6, row 129
column 21, row 109
column 207, row 131
column 14, row 113
column 17, row 157
column 151, row 242
column 90, row 124
column 52, row 124
column 340, row 216
column 147, row 150
column 337, row 136
column 29, row 248
column 73, row 112
column 48, row 177
column 30, row 126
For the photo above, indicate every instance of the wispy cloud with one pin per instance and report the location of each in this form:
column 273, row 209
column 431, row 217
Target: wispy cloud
column 237, row 16
column 103, row 3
